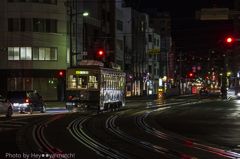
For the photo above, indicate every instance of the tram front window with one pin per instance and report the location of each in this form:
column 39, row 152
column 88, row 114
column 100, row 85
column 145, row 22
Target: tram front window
column 82, row 82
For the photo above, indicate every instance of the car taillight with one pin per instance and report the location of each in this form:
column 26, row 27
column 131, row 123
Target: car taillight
column 27, row 100
column 70, row 97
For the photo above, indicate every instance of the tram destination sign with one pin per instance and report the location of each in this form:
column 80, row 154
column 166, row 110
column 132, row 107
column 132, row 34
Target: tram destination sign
column 82, row 72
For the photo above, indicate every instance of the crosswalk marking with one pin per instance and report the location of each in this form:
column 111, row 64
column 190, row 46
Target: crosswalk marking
column 7, row 129
column 9, row 125
column 15, row 121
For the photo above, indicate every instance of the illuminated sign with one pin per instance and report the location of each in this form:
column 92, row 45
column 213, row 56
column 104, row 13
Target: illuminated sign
column 130, row 76
column 160, row 82
column 82, row 72
column 160, row 96
column 194, row 90
column 165, row 79
column 160, row 89
column 154, row 51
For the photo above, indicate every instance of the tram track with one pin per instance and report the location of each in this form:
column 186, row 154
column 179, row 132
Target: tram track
column 75, row 128
column 45, row 147
column 140, row 121
column 168, row 152
column 79, row 130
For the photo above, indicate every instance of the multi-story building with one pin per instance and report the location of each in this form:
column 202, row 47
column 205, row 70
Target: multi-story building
column 153, row 61
column 134, row 28
column 162, row 22
column 104, row 30
column 35, row 35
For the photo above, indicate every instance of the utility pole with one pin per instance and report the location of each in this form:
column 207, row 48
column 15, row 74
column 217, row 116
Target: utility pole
column 70, row 25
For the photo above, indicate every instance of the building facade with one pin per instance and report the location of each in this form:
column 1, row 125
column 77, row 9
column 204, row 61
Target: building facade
column 37, row 46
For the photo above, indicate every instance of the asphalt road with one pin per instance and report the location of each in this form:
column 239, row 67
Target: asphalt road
column 184, row 127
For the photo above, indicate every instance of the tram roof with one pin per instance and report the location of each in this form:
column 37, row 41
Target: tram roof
column 97, row 64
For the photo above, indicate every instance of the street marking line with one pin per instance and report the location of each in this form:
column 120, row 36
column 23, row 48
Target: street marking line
column 7, row 129
column 18, row 122
column 9, row 125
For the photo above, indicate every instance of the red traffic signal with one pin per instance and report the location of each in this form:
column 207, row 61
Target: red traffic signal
column 190, row 74
column 229, row 40
column 60, row 73
column 100, row 52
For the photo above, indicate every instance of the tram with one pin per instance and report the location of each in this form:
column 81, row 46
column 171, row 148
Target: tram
column 91, row 86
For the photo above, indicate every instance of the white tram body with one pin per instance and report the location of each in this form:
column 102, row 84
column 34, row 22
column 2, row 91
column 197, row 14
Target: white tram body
column 91, row 86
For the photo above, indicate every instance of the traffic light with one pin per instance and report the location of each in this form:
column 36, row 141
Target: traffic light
column 100, row 53
column 191, row 74
column 229, row 40
column 60, row 74
column 207, row 77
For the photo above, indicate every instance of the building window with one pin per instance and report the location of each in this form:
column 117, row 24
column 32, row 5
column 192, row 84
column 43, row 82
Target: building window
column 29, row 53
column 151, row 21
column 13, row 24
column 108, row 16
column 154, row 41
column 36, row 1
column 26, row 24
column 25, row 53
column 150, row 37
column 42, row 53
column 103, row 17
column 157, row 42
column 13, row 53
column 119, row 44
column 149, row 68
column 19, row 53
column 48, row 25
column 119, row 25
column 38, row 25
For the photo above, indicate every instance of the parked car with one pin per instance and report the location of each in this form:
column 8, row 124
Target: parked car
column 26, row 101
column 203, row 91
column 5, row 107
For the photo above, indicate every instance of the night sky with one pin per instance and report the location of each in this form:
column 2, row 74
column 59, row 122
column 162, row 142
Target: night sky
column 191, row 35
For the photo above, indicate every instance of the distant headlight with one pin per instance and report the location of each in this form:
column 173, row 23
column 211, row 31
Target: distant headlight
column 238, row 94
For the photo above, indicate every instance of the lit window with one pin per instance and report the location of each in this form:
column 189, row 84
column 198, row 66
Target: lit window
column 42, row 53
column 82, row 82
column 93, row 82
column 13, row 53
column 72, row 81
column 26, row 53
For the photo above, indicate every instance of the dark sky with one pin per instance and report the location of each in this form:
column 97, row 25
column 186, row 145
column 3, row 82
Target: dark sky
column 189, row 34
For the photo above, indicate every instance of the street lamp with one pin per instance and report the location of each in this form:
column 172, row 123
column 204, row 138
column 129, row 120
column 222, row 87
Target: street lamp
column 71, row 15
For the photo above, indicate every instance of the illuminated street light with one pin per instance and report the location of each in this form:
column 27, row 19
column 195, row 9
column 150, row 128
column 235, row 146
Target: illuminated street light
column 85, row 14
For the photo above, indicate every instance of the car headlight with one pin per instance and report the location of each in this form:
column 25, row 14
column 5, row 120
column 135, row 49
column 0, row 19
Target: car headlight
column 238, row 94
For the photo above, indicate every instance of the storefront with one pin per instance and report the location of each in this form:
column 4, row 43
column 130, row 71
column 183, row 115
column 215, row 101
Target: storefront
column 47, row 83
